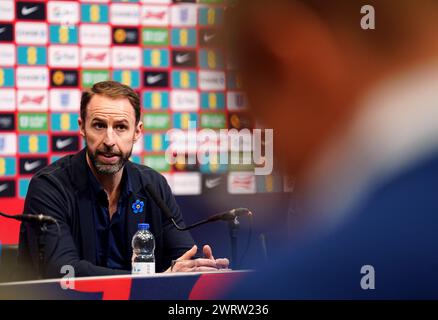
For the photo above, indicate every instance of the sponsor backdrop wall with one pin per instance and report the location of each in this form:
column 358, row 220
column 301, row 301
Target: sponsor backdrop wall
column 167, row 51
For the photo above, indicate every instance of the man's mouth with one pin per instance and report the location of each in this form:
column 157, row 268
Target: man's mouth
column 108, row 157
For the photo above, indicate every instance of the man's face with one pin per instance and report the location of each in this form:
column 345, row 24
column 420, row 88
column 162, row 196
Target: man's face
column 110, row 133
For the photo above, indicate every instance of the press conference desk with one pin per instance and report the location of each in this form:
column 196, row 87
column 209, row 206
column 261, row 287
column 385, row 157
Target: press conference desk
column 174, row 286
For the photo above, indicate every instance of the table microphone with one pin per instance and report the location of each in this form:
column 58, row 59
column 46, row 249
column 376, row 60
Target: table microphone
column 226, row 215
column 38, row 218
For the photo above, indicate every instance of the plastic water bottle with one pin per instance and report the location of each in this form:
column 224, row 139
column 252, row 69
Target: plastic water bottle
column 143, row 246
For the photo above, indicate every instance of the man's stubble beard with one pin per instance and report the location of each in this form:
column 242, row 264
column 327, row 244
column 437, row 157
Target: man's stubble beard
column 108, row 169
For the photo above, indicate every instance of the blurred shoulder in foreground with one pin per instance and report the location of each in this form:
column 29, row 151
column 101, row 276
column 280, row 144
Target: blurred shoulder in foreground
column 354, row 113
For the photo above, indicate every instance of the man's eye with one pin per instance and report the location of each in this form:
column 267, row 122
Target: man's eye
column 98, row 125
column 121, row 127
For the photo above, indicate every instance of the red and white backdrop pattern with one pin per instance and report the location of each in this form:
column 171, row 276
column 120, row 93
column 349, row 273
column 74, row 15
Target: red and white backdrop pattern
column 167, row 51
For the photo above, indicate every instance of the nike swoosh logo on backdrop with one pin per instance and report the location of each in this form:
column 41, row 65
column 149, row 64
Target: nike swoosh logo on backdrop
column 61, row 144
column 181, row 58
column 208, row 37
column 211, row 183
column 29, row 166
column 3, row 187
column 154, row 79
column 27, row 11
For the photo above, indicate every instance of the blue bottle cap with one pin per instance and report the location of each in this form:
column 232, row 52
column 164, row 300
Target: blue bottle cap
column 143, row 226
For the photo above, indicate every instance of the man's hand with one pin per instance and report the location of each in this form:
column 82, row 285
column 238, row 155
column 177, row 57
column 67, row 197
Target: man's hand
column 185, row 263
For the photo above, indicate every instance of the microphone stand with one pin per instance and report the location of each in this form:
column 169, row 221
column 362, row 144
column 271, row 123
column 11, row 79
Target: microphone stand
column 233, row 225
column 230, row 216
column 42, row 222
column 41, row 234
column 234, row 228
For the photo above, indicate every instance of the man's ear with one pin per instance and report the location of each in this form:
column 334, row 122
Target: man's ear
column 81, row 124
column 138, row 131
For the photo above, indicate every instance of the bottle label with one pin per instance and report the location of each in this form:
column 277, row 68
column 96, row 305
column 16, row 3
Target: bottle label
column 143, row 267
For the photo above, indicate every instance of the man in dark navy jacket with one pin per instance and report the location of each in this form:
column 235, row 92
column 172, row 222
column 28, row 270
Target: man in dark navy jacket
column 98, row 197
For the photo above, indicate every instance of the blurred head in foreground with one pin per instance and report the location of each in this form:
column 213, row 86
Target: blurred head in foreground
column 308, row 64
column 354, row 113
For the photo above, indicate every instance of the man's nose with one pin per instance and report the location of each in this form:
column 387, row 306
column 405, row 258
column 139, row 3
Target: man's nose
column 109, row 139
